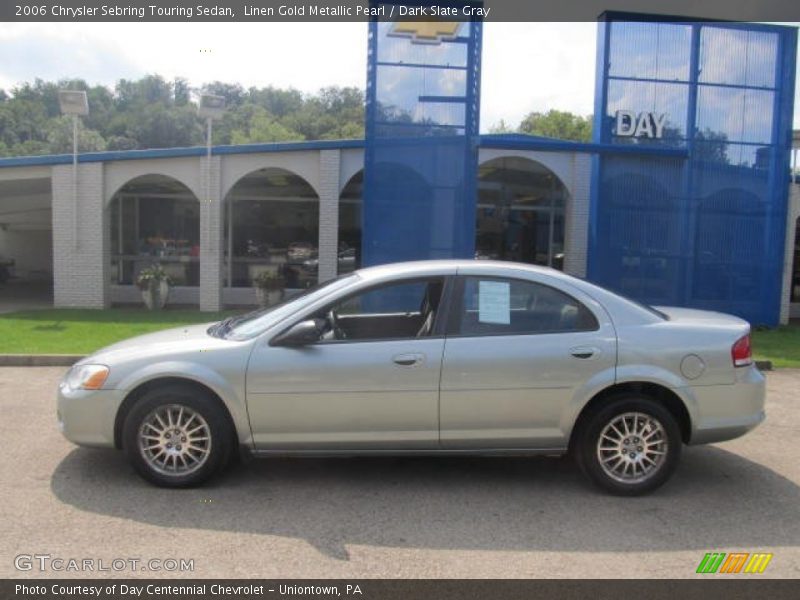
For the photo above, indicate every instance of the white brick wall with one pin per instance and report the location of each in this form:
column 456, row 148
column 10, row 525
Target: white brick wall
column 81, row 273
column 80, row 257
column 577, row 215
column 211, row 236
column 329, row 163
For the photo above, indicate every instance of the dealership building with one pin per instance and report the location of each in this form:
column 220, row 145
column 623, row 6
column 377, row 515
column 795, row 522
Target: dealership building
column 688, row 194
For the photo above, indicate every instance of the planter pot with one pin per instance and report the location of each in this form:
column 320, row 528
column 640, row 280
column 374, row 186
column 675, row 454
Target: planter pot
column 155, row 297
column 268, row 297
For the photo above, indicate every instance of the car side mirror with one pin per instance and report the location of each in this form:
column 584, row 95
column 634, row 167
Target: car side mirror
column 300, row 334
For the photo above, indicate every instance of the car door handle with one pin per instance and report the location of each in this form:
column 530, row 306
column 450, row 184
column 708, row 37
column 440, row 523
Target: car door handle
column 584, row 352
column 408, row 360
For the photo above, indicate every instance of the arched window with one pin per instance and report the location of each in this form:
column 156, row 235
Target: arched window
column 155, row 218
column 271, row 229
column 350, row 202
column 520, row 213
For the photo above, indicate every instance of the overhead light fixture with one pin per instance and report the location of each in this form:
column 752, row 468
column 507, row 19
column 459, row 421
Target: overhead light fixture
column 211, row 107
column 73, row 102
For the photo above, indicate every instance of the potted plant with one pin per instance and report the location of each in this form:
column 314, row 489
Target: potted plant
column 269, row 288
column 154, row 285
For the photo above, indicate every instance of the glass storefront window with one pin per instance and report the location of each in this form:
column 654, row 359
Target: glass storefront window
column 155, row 219
column 520, row 213
column 272, row 230
column 350, row 224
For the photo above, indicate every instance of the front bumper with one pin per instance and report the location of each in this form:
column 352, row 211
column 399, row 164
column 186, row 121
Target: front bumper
column 725, row 412
column 87, row 417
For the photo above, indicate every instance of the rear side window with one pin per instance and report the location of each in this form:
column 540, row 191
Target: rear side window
column 494, row 306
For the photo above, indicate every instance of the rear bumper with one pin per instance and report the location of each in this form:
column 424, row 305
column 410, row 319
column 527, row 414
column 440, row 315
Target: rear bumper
column 725, row 412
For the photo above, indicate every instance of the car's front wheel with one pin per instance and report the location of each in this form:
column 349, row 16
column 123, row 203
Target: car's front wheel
column 630, row 446
column 177, row 436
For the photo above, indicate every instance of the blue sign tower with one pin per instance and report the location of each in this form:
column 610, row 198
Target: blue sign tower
column 420, row 171
column 700, row 220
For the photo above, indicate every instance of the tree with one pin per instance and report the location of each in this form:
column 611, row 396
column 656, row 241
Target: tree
column 264, row 128
column 558, row 124
column 152, row 112
column 59, row 137
column 501, row 127
column 712, row 146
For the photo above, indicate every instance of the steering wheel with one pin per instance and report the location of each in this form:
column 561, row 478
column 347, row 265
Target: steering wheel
column 333, row 321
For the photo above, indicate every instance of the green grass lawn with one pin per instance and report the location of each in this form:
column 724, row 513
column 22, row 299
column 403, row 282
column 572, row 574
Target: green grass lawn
column 781, row 345
column 78, row 331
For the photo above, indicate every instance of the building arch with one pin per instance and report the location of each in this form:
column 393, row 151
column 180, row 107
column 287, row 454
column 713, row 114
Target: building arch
column 154, row 218
column 304, row 164
column 349, row 234
column 521, row 211
column 271, row 228
column 183, row 170
column 561, row 164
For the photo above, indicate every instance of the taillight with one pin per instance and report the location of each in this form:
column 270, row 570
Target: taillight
column 741, row 352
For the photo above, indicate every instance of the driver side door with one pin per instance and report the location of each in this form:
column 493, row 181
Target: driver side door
column 372, row 385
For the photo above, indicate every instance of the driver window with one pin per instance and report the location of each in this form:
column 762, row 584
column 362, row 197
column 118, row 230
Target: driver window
column 393, row 311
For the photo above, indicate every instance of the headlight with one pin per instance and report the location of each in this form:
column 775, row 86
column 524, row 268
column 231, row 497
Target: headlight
column 86, row 377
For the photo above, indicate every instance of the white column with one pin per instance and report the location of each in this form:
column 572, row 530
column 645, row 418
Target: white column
column 81, row 238
column 576, row 216
column 211, row 236
column 329, row 164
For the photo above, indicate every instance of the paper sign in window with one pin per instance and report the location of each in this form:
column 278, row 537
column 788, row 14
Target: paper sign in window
column 494, row 302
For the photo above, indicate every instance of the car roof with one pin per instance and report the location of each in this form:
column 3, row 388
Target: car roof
column 451, row 266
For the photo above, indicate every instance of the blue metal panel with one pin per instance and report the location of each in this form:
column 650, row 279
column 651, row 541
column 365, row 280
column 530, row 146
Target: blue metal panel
column 705, row 231
column 420, row 168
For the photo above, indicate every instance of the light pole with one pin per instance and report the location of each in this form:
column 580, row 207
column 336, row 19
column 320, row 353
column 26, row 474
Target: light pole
column 210, row 107
column 74, row 103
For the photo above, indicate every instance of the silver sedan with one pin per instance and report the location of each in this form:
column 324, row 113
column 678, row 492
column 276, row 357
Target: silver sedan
column 435, row 357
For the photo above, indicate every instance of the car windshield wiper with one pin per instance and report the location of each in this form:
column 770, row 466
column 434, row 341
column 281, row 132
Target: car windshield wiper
column 224, row 326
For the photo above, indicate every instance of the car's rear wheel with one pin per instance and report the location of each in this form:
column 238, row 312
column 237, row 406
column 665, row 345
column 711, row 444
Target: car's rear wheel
column 177, row 436
column 629, row 446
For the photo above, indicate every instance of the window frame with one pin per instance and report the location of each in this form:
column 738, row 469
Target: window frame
column 453, row 329
column 439, row 324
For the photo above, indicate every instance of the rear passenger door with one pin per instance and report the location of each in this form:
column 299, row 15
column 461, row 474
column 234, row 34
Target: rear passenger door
column 516, row 352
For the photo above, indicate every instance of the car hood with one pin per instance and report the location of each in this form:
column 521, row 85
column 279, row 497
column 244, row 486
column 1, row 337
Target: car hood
column 178, row 340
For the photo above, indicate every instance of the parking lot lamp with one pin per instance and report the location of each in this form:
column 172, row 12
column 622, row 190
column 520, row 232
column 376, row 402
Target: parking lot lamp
column 74, row 103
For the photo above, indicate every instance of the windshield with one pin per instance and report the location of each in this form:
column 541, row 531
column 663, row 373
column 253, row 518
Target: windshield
column 246, row 326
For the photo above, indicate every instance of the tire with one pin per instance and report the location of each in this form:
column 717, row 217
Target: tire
column 640, row 449
column 177, row 436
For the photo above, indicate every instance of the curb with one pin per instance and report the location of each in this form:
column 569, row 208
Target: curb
column 764, row 365
column 39, row 360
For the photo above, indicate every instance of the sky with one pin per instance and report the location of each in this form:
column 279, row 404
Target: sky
column 526, row 66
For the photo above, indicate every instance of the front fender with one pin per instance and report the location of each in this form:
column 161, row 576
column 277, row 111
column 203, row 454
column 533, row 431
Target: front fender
column 231, row 394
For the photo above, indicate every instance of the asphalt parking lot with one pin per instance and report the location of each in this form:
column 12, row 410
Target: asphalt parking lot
column 409, row 517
